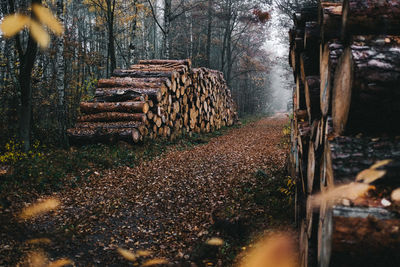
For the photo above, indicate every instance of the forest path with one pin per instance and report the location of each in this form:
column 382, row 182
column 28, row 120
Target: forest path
column 172, row 204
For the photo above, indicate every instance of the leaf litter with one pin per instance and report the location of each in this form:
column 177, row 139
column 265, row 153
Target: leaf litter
column 165, row 205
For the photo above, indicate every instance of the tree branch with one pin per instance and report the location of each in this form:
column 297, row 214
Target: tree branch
column 155, row 17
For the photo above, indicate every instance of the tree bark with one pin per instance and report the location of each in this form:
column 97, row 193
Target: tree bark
column 209, row 32
column 93, row 108
column 367, row 17
column 112, row 117
column 60, row 74
column 27, row 61
column 365, row 94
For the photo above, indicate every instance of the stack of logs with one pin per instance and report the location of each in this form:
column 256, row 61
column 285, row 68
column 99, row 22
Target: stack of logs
column 345, row 57
column 155, row 98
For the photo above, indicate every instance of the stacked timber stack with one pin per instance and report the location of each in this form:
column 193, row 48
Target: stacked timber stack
column 345, row 57
column 155, row 98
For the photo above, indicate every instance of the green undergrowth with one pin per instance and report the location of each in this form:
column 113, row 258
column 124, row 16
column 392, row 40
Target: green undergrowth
column 47, row 169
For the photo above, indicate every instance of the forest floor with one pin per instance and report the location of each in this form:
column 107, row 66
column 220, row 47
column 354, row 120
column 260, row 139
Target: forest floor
column 233, row 187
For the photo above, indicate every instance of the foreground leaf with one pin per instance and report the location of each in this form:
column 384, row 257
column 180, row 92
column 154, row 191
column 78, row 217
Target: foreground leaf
column 155, row 262
column 39, row 208
column 215, row 241
column 143, row 253
column 128, row 255
column 13, row 24
column 381, row 163
column 395, row 196
column 60, row 263
column 37, row 241
column 39, row 34
column 369, row 176
column 349, row 191
column 47, row 18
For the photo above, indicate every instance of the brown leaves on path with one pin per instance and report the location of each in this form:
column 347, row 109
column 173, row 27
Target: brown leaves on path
column 163, row 205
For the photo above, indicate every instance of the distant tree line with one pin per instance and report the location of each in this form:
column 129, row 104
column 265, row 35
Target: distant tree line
column 40, row 89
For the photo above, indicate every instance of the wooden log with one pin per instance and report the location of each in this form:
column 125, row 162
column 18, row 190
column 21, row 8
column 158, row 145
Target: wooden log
column 312, row 96
column 300, row 102
column 313, row 169
column 92, row 108
column 112, row 117
column 365, row 93
column 133, row 82
column 186, row 62
column 360, row 236
column 329, row 60
column 126, row 94
column 309, row 65
column 307, row 13
column 368, row 17
column 330, row 20
column 145, row 74
column 348, row 156
column 311, row 36
column 82, row 136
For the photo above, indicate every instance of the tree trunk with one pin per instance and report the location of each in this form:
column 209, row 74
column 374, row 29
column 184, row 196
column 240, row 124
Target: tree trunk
column 61, row 114
column 167, row 25
column 134, row 106
column 27, row 61
column 329, row 60
column 111, row 42
column 366, row 17
column 365, row 94
column 209, row 32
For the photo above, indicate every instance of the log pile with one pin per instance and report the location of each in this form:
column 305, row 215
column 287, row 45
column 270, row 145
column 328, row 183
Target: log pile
column 346, row 105
column 155, row 98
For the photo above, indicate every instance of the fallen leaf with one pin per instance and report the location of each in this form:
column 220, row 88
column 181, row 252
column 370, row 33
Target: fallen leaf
column 128, row 255
column 215, row 241
column 36, row 241
column 60, row 263
column 37, row 259
column 155, row 262
column 143, row 253
column 39, row 208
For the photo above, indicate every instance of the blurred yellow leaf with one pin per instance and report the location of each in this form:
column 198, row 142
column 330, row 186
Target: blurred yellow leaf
column 128, row 255
column 39, row 208
column 45, row 16
column 143, row 253
column 39, row 34
column 38, row 241
column 154, row 262
column 370, row 175
column 215, row 241
column 37, row 259
column 349, row 191
column 13, row 24
column 60, row 263
column 380, row 163
column 395, row 196
column 274, row 250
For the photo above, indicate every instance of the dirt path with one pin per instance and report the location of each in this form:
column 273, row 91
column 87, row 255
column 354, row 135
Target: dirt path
column 170, row 205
